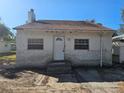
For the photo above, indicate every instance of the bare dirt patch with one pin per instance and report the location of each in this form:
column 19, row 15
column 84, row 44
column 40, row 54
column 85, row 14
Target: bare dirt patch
column 37, row 81
column 81, row 80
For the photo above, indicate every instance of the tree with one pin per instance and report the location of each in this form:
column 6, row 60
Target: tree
column 121, row 30
column 5, row 33
column 122, row 15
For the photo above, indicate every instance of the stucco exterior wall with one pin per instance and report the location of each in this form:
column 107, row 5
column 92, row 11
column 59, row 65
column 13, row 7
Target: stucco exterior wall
column 33, row 57
column 116, row 52
column 118, row 49
column 76, row 57
column 121, row 52
column 91, row 56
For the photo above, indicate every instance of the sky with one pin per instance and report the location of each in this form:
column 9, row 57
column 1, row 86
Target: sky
column 107, row 12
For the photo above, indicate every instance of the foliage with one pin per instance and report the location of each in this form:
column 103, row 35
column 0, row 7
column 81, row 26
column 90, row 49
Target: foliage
column 122, row 15
column 121, row 30
column 5, row 33
column 10, row 57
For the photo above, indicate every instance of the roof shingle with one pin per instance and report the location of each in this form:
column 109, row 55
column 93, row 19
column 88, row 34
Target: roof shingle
column 64, row 25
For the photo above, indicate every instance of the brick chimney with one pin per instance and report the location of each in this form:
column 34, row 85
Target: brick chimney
column 31, row 16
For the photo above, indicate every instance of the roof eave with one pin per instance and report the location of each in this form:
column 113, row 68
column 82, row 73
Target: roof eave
column 17, row 28
column 83, row 30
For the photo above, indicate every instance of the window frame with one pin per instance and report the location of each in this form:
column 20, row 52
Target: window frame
column 35, row 44
column 79, row 46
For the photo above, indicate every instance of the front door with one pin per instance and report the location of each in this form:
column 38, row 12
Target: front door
column 59, row 48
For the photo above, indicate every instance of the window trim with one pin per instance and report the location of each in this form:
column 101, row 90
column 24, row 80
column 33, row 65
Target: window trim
column 35, row 44
column 81, row 44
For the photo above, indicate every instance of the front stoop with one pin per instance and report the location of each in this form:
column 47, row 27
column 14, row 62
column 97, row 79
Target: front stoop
column 59, row 67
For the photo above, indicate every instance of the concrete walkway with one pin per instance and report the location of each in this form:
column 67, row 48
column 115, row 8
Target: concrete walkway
column 100, row 75
column 88, row 75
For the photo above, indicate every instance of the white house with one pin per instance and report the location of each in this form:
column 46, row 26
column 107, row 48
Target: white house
column 4, row 46
column 118, row 48
column 40, row 42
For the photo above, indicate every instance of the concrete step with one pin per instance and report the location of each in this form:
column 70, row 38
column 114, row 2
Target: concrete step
column 58, row 67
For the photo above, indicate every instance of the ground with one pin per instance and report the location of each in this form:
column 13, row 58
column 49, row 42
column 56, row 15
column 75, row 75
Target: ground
column 80, row 80
column 8, row 58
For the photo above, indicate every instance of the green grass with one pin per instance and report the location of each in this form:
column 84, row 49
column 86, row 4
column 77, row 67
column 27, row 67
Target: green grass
column 8, row 57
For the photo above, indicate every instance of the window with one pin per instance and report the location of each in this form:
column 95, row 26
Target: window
column 35, row 44
column 81, row 44
column 58, row 39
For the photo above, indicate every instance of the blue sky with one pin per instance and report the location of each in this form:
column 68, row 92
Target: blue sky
column 108, row 12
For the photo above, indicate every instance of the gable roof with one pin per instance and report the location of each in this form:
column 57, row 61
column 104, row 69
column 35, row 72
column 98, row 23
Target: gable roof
column 64, row 25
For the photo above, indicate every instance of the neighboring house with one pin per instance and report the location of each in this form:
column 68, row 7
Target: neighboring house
column 39, row 42
column 4, row 46
column 118, row 49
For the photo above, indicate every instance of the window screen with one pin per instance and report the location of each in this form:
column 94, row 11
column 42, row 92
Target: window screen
column 81, row 44
column 35, row 44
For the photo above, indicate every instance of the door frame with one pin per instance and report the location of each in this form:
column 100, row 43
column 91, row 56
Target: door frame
column 54, row 45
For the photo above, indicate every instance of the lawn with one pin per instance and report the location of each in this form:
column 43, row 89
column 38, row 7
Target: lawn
column 8, row 57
